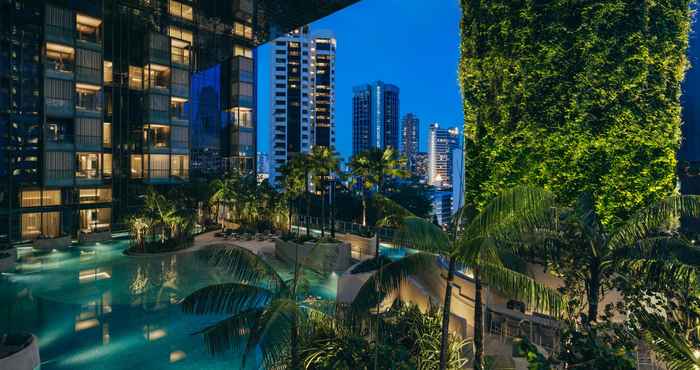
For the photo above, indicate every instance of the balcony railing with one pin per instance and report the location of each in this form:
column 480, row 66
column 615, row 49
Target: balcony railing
column 87, row 174
column 59, row 174
column 88, row 74
column 88, row 140
column 57, row 66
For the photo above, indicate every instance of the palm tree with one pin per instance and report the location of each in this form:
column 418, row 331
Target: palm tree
column 293, row 182
column 669, row 344
column 325, row 164
column 372, row 168
column 221, row 193
column 473, row 241
column 262, row 307
column 591, row 253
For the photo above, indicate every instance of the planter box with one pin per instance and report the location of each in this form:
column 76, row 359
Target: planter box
column 8, row 263
column 325, row 257
column 362, row 248
column 18, row 356
column 60, row 243
column 95, row 237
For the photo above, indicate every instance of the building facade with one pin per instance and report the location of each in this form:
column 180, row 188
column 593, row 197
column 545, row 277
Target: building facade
column 457, row 179
column 95, row 103
column 421, row 166
column 441, row 143
column 410, row 138
column 302, row 95
column 442, row 206
column 375, row 117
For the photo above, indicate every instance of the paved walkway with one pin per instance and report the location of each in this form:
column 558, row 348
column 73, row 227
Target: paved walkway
column 258, row 247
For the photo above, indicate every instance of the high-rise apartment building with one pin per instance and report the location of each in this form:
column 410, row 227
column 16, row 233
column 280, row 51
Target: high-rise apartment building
column 410, row 139
column 302, row 95
column 421, row 166
column 95, row 102
column 375, row 117
column 441, row 143
column 457, row 179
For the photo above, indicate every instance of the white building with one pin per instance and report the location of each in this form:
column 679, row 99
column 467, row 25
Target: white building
column 302, row 95
column 457, row 179
column 441, row 143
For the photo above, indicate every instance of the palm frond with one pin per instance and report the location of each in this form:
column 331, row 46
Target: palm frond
column 229, row 334
column 273, row 332
column 523, row 288
column 667, row 343
column 519, row 207
column 653, row 218
column 388, row 279
column 392, row 212
column 659, row 270
column 244, row 266
column 229, row 298
column 417, row 233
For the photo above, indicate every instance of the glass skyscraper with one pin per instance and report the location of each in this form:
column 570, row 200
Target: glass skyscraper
column 375, row 117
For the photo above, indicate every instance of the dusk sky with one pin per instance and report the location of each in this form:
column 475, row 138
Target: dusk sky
column 404, row 42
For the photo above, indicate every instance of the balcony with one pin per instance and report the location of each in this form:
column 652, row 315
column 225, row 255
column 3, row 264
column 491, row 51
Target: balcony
column 157, row 108
column 88, row 100
column 88, row 31
column 158, row 49
column 58, row 177
column 178, row 115
column 60, row 61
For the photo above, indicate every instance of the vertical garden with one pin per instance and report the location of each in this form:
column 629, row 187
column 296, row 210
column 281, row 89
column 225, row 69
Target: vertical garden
column 575, row 96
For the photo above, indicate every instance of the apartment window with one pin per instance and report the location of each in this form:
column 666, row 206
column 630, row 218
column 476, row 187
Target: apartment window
column 136, row 166
column 60, row 22
column 39, row 198
column 243, row 117
column 58, row 93
column 243, row 30
column 95, row 220
column 135, row 78
column 179, row 166
column 242, row 51
column 158, row 76
column 242, row 88
column 180, row 52
column 157, row 136
column 107, row 76
column 180, row 84
column 58, row 165
column 87, row 166
column 88, row 28
column 88, row 131
column 59, row 130
column 180, row 10
column 158, row 104
column 95, row 195
column 180, row 137
column 59, row 58
column 88, row 98
column 107, row 165
column 177, row 108
column 41, row 224
column 158, row 165
column 181, row 34
column 107, row 134
column 88, row 65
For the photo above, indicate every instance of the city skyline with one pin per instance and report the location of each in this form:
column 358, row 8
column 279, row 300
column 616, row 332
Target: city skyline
column 390, row 35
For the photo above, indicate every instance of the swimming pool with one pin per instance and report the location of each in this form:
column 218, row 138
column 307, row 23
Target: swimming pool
column 94, row 308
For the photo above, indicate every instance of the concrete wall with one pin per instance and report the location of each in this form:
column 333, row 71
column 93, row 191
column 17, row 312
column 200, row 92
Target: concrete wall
column 362, row 248
column 59, row 243
column 26, row 359
column 320, row 256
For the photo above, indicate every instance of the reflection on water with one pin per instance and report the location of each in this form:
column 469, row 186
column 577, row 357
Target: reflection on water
column 93, row 308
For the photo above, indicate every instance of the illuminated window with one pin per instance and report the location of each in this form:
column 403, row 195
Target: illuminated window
column 87, row 166
column 88, row 97
column 177, row 108
column 180, row 52
column 107, row 72
column 243, row 30
column 95, row 220
column 179, row 33
column 107, row 134
column 88, row 28
column 136, row 166
column 135, row 78
column 59, row 58
column 178, row 9
column 157, row 135
column 95, row 195
column 46, row 224
column 107, row 164
column 242, row 51
column 158, row 76
column 158, row 165
column 180, row 165
column 38, row 198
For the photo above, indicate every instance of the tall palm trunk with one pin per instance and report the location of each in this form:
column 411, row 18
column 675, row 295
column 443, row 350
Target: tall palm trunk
column 294, row 340
column 364, row 209
column 592, row 291
column 332, row 211
column 446, row 314
column 308, row 203
column 289, row 215
column 323, row 211
column 478, row 324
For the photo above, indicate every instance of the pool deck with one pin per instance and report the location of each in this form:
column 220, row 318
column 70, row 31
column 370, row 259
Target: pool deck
column 265, row 247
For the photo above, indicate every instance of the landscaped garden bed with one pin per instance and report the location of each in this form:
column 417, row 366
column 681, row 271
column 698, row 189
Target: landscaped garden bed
column 319, row 254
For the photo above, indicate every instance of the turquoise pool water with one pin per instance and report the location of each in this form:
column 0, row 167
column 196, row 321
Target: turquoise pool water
column 94, row 308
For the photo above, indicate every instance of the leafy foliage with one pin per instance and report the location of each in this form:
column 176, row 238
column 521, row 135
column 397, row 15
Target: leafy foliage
column 575, row 96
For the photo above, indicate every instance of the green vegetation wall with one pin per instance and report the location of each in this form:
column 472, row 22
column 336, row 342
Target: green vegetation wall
column 574, row 96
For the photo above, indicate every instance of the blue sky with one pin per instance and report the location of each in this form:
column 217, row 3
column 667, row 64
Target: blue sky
column 413, row 44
